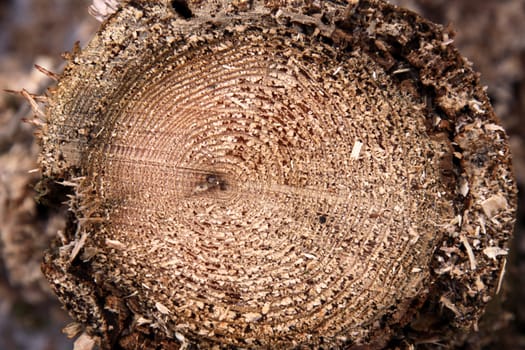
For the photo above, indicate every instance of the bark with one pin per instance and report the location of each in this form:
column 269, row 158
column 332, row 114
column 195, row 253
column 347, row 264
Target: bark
column 275, row 175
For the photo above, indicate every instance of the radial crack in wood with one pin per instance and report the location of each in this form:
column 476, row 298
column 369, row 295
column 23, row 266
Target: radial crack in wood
column 262, row 174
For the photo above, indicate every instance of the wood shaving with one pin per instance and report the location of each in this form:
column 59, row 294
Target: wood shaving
column 492, row 205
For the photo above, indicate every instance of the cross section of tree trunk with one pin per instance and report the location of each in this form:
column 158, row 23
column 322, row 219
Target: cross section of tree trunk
column 275, row 174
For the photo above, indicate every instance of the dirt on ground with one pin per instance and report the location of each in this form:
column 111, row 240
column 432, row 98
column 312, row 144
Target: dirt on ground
column 489, row 33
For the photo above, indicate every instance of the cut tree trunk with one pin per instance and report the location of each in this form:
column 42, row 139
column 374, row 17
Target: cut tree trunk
column 274, row 174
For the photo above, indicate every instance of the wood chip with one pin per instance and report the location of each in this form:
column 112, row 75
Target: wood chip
column 356, row 150
column 142, row 321
column 163, row 309
column 463, row 187
column 78, row 245
column 113, row 243
column 501, row 275
column 470, row 253
column 72, row 330
column 493, row 204
column 449, row 305
column 266, row 308
column 84, row 342
column 494, row 252
column 252, row 316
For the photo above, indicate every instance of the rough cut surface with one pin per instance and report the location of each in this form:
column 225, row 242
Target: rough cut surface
column 260, row 174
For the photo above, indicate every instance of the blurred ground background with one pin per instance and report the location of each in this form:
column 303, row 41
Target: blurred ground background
column 491, row 33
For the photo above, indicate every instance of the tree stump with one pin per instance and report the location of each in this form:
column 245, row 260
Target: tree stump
column 274, row 174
